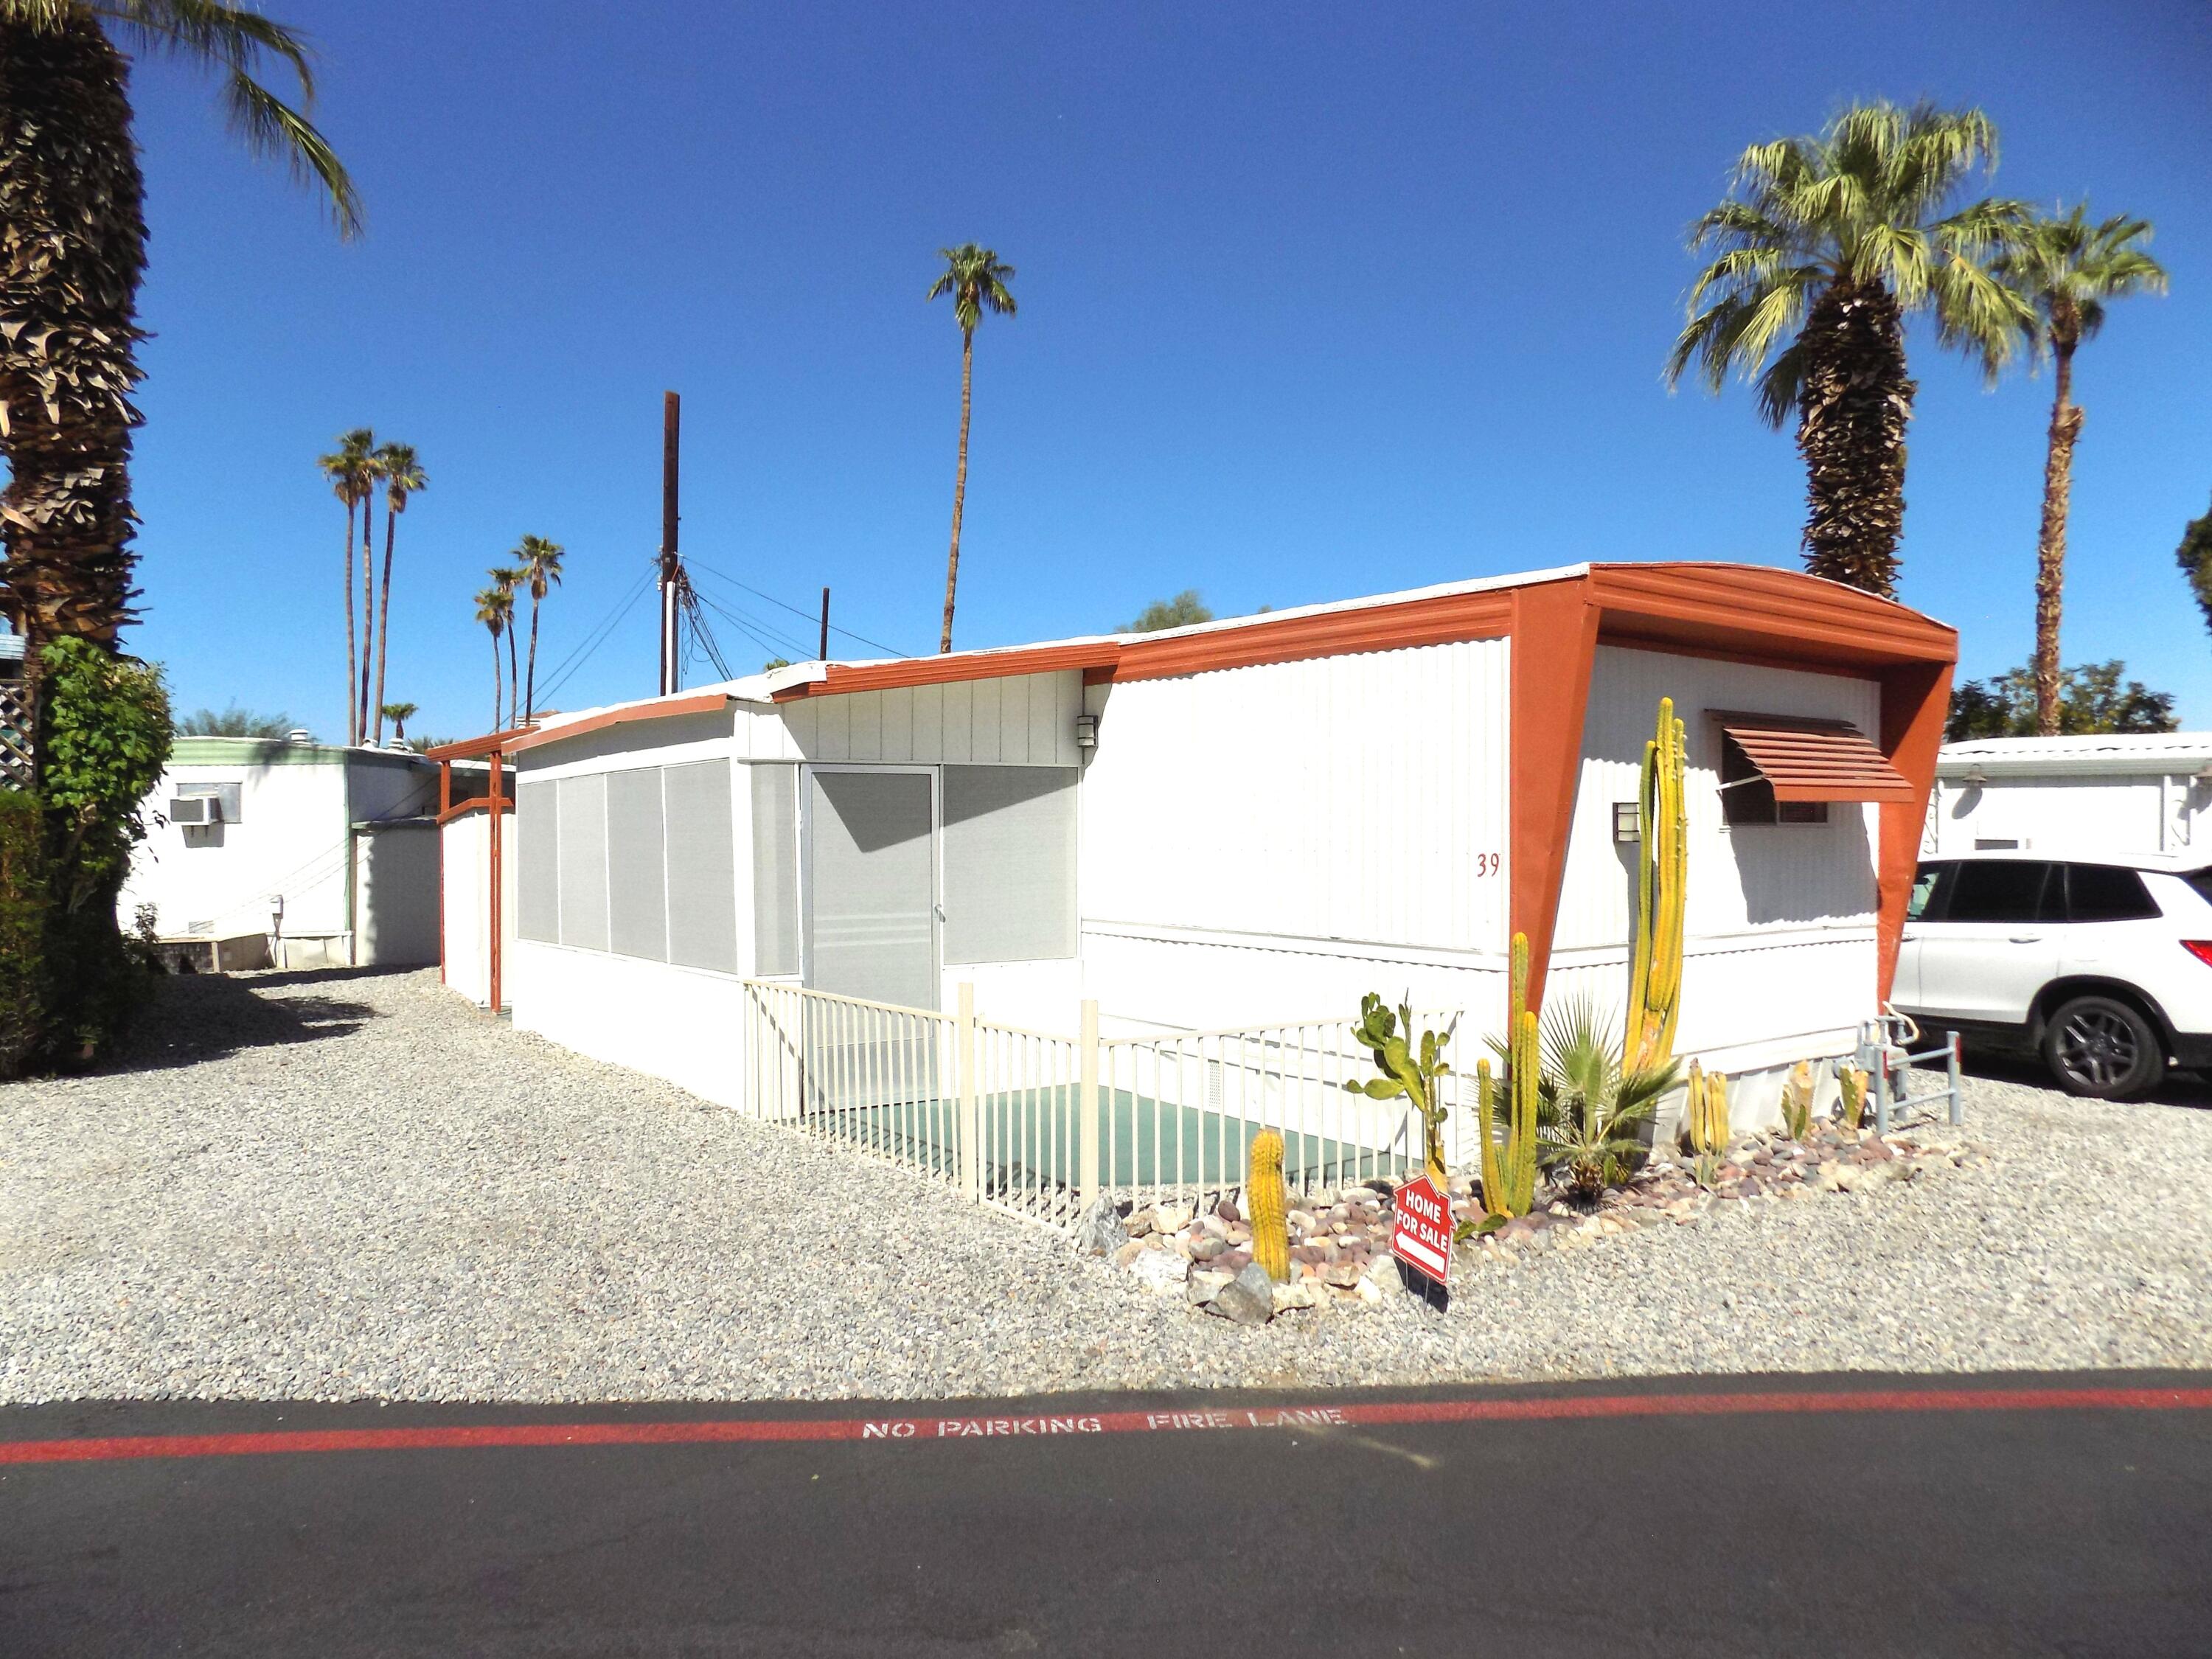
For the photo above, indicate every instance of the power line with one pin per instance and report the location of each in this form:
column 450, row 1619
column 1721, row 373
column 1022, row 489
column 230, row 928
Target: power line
column 599, row 636
column 796, row 610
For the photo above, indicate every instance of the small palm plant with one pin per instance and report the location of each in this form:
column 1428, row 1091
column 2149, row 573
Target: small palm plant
column 1589, row 1122
column 399, row 713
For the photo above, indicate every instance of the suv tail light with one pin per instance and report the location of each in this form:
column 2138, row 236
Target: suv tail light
column 2199, row 948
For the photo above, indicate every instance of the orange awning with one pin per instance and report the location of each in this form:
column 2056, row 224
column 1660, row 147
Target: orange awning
column 1816, row 760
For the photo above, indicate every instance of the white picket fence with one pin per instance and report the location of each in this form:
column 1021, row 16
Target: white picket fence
column 1038, row 1124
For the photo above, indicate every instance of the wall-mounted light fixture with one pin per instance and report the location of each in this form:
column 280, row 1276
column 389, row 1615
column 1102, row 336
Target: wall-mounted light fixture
column 1976, row 776
column 1627, row 828
column 1086, row 730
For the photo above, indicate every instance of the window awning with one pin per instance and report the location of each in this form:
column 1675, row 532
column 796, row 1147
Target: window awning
column 1815, row 759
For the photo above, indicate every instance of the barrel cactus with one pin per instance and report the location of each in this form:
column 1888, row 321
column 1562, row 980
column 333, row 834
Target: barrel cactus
column 1269, row 1204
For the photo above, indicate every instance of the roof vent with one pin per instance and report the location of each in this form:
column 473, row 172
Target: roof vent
column 299, row 734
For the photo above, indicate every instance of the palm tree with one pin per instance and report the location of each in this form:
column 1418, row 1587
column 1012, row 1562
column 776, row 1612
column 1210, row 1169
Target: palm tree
column 975, row 280
column 399, row 713
column 71, row 197
column 1839, row 238
column 494, row 606
column 2065, row 270
column 508, row 580
column 1591, row 1112
column 351, row 469
column 541, row 567
column 403, row 474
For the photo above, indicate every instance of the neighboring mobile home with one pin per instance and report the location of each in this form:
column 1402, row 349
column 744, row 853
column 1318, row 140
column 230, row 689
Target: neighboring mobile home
column 1249, row 821
column 2118, row 793
column 291, row 854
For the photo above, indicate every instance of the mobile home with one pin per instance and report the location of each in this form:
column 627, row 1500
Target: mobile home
column 2117, row 792
column 1247, row 822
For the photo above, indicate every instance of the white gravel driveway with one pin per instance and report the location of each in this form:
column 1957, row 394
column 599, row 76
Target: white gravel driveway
column 348, row 1186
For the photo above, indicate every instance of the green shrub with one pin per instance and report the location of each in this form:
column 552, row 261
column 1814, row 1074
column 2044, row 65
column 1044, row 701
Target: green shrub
column 23, row 928
column 104, row 737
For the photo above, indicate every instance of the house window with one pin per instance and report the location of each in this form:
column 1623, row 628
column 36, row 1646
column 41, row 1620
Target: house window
column 1748, row 798
column 1009, row 863
column 775, row 869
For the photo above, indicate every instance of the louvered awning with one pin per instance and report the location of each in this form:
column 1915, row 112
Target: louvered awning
column 1815, row 759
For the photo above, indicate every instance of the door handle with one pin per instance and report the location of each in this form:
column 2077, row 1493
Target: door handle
column 2026, row 938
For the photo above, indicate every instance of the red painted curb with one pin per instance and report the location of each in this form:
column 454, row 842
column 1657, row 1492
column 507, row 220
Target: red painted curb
column 1374, row 1414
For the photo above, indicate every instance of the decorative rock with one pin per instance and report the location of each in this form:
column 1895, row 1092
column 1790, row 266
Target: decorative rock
column 1138, row 1224
column 1304, row 1293
column 1247, row 1299
column 1100, row 1231
column 1344, row 1274
column 1160, row 1270
column 1172, row 1218
column 1203, row 1285
column 1228, row 1211
column 1208, row 1247
column 1129, row 1253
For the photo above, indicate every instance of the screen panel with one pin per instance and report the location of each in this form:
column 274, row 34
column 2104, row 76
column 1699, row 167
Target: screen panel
column 1009, row 863
column 775, row 869
column 538, row 844
column 583, row 820
column 702, row 887
column 637, row 894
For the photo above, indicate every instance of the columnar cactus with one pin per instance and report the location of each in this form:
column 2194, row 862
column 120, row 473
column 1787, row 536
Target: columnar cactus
column 1509, row 1172
column 1706, row 1113
column 1416, row 1076
column 1797, row 1101
column 1264, row 1195
column 1655, row 985
column 1852, row 1105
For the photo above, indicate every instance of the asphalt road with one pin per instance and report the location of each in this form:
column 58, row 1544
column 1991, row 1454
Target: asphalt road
column 1651, row 1523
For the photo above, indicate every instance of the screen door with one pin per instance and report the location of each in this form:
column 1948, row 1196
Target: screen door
column 872, row 934
column 871, row 911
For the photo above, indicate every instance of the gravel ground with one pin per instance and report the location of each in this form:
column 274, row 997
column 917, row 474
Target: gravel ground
column 350, row 1185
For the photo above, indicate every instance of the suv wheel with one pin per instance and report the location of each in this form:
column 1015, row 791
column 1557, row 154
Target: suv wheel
column 2103, row 1048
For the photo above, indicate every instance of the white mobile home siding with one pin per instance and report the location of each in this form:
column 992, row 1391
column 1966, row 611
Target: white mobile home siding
column 1780, row 947
column 1269, row 843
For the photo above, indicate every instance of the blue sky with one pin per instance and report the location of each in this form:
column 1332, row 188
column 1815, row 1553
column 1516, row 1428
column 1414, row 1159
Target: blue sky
column 1316, row 301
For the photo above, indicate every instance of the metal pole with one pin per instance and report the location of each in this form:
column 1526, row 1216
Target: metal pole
column 1881, row 1092
column 825, row 624
column 1087, row 1097
column 1958, row 1100
column 671, row 422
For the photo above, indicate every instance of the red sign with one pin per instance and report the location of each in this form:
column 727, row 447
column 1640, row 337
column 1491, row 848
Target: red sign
column 1421, row 1229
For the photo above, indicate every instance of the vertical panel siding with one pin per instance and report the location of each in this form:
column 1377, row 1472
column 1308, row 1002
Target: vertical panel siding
column 1343, row 798
column 1022, row 720
column 2112, row 814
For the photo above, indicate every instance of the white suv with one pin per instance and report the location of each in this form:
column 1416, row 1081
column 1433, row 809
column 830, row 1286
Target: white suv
column 2105, row 965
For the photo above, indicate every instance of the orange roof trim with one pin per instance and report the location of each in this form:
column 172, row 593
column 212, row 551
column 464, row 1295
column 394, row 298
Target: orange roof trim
column 661, row 708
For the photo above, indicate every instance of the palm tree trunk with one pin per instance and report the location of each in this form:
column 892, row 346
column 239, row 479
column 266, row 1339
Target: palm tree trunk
column 530, row 694
column 1852, row 411
column 69, row 267
column 383, row 620
column 345, row 581
column 496, row 686
column 2051, row 544
column 367, row 606
column 513, row 679
column 959, row 485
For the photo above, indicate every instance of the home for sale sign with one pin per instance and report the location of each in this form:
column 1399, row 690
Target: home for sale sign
column 1421, row 1233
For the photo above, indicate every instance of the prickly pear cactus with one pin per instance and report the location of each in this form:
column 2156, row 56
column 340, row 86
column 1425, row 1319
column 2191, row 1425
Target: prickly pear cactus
column 1270, row 1206
column 1415, row 1075
column 1655, row 985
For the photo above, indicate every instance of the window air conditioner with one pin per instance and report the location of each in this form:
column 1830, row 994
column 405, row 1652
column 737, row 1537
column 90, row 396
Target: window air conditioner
column 195, row 809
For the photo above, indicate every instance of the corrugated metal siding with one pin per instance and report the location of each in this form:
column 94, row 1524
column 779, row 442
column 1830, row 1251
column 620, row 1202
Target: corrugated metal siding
column 1024, row 721
column 1343, row 798
column 1748, row 879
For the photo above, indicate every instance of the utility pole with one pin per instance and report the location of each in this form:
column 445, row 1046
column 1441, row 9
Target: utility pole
column 671, row 566
column 825, row 624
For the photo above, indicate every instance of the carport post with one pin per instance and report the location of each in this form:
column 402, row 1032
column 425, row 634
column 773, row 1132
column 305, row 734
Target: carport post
column 1087, row 1102
column 964, row 1061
